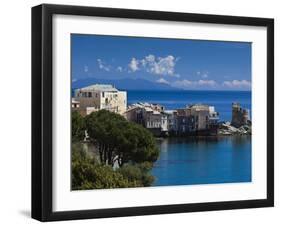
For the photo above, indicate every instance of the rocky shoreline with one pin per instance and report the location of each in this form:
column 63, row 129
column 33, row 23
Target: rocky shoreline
column 226, row 129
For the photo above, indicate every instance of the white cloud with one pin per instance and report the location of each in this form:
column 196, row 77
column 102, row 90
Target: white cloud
column 161, row 65
column 183, row 84
column 86, row 68
column 102, row 65
column 211, row 84
column 155, row 65
column 237, row 84
column 162, row 80
column 207, row 82
column 133, row 65
column 119, row 69
column 150, row 58
column 188, row 84
column 203, row 74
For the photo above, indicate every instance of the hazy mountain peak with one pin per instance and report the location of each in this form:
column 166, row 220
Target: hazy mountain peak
column 123, row 84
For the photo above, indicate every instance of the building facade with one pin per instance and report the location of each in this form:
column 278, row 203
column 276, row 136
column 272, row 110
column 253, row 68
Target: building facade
column 171, row 120
column 101, row 96
column 200, row 113
column 213, row 121
column 185, row 121
column 194, row 119
column 197, row 119
column 151, row 116
column 75, row 105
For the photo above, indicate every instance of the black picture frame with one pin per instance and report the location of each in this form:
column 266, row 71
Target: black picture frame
column 42, row 111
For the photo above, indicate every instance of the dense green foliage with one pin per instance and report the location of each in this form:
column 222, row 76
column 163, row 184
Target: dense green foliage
column 120, row 140
column 89, row 174
column 137, row 174
column 120, row 143
column 77, row 127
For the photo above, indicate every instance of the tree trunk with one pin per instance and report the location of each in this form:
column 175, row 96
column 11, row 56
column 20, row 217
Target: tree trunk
column 100, row 147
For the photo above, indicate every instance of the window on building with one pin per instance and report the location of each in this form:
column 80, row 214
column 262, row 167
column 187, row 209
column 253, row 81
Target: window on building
column 102, row 94
column 89, row 94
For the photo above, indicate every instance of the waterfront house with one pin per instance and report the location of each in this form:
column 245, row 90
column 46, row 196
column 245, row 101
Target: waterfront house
column 185, row 121
column 213, row 121
column 201, row 114
column 151, row 116
column 171, row 120
column 197, row 119
column 206, row 118
column 101, row 96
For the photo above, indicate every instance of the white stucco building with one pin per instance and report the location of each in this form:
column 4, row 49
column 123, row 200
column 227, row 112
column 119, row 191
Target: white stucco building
column 102, row 96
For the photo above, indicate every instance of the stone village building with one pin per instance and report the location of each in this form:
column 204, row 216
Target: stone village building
column 194, row 119
column 151, row 116
column 197, row 119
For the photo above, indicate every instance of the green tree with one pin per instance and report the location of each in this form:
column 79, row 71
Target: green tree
column 77, row 126
column 120, row 140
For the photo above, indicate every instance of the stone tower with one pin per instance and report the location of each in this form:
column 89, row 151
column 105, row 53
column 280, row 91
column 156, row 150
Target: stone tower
column 240, row 116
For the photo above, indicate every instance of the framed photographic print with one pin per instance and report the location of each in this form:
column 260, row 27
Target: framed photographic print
column 144, row 112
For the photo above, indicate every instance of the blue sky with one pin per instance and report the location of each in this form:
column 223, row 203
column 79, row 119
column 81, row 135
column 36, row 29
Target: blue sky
column 185, row 64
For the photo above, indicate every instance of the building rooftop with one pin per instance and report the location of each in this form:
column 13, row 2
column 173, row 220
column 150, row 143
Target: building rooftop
column 75, row 101
column 148, row 109
column 100, row 87
column 199, row 107
column 169, row 112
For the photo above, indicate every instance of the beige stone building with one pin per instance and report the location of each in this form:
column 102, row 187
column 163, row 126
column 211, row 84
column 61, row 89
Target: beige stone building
column 151, row 116
column 201, row 114
column 101, row 96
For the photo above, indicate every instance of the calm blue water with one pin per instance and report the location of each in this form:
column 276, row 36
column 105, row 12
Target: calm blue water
column 222, row 100
column 205, row 160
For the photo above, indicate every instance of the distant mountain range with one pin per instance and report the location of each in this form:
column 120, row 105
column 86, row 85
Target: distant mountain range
column 123, row 84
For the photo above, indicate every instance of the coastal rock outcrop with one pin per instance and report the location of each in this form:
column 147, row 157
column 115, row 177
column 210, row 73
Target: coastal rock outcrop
column 227, row 129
